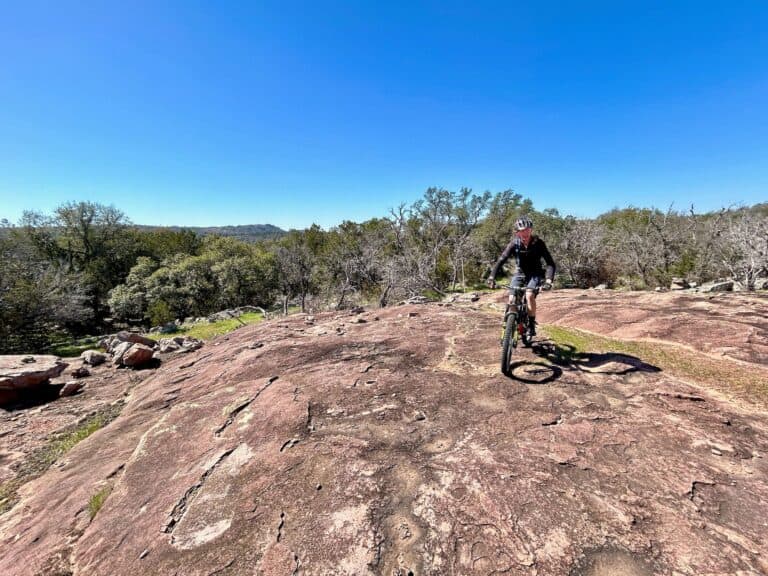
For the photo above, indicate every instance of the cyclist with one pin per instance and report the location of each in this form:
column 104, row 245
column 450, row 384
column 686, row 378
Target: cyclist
column 528, row 250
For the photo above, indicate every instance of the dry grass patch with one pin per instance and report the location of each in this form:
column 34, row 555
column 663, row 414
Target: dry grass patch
column 748, row 382
column 59, row 444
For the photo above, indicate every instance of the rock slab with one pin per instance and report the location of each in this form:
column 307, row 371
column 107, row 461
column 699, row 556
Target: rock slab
column 19, row 373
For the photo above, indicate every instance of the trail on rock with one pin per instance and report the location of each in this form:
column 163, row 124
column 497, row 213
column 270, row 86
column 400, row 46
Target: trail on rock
column 389, row 443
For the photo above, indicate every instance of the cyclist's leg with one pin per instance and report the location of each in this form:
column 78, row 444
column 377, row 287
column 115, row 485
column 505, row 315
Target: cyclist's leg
column 518, row 281
column 531, row 289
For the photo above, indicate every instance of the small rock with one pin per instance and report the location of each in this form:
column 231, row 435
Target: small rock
column 412, row 314
column 71, row 388
column 716, row 452
column 419, row 416
column 93, row 357
column 81, row 372
column 679, row 284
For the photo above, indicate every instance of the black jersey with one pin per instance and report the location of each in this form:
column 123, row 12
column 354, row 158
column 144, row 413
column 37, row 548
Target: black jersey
column 527, row 258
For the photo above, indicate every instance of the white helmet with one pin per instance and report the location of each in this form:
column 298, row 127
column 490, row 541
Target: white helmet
column 523, row 223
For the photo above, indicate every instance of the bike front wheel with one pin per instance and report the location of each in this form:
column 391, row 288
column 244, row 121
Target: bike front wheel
column 508, row 343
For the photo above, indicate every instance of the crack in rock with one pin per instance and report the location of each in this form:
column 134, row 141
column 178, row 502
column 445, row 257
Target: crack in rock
column 223, row 568
column 280, row 526
column 310, row 424
column 181, row 506
column 692, row 491
column 289, row 444
column 242, row 406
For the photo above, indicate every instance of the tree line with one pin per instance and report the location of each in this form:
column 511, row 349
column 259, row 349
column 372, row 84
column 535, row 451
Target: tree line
column 85, row 266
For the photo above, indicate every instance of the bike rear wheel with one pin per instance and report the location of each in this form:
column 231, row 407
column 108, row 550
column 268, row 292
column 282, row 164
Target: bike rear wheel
column 508, row 343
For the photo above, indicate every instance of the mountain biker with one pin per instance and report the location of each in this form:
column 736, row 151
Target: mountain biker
column 528, row 250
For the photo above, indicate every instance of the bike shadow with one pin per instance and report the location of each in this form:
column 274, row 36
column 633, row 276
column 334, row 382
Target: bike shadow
column 534, row 372
column 615, row 363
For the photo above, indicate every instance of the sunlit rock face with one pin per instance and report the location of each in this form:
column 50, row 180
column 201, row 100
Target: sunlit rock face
column 395, row 446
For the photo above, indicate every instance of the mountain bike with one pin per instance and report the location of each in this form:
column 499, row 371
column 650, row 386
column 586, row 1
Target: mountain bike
column 515, row 328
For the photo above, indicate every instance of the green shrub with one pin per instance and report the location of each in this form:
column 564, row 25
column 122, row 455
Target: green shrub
column 160, row 313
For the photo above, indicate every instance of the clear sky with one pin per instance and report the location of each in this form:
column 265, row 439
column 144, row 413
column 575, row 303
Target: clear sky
column 213, row 113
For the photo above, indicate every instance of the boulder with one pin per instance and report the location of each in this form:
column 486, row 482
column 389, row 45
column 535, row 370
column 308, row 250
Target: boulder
column 601, row 287
column 168, row 328
column 71, row 388
column 179, row 344
column 93, row 357
column 135, row 338
column 23, row 371
column 761, row 284
column 188, row 344
column 679, row 284
column 119, row 351
column 414, row 300
column 718, row 286
column 137, row 355
column 167, row 345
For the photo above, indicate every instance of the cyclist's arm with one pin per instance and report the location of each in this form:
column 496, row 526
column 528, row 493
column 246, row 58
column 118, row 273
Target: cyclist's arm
column 503, row 258
column 549, row 274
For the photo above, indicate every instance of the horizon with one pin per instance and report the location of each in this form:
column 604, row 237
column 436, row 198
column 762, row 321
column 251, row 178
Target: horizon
column 318, row 113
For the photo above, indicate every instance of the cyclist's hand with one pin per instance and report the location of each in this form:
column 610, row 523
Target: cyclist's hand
column 547, row 285
column 491, row 283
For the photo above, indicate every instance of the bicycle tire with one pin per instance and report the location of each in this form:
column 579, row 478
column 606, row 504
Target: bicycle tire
column 508, row 343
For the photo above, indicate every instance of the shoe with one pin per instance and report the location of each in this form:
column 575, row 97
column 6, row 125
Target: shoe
column 531, row 329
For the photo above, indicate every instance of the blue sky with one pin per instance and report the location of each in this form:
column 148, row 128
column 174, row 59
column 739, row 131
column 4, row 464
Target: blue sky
column 213, row 113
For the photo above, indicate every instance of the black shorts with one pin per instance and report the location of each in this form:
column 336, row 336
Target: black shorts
column 529, row 282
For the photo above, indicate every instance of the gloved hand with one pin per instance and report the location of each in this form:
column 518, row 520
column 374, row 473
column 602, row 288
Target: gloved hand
column 547, row 285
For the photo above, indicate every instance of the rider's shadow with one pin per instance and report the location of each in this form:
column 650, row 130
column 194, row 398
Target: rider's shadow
column 598, row 363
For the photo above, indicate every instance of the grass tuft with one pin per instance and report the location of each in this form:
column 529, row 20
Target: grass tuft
column 97, row 501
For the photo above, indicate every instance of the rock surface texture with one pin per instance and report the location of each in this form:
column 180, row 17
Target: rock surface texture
column 394, row 446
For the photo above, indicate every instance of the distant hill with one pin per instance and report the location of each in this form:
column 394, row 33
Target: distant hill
column 246, row 232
